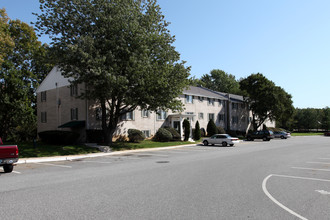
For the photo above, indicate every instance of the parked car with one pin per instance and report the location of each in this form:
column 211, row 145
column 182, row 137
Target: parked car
column 223, row 139
column 282, row 134
column 327, row 133
column 8, row 156
column 264, row 135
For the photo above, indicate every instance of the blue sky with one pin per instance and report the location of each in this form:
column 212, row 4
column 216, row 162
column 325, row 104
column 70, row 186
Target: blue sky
column 286, row 40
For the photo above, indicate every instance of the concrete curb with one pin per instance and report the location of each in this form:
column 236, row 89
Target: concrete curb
column 93, row 155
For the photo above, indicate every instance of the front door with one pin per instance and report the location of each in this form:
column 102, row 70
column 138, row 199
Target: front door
column 176, row 126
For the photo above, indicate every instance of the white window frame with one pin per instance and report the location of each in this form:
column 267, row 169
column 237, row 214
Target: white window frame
column 210, row 101
column 43, row 96
column 189, row 99
column 221, row 117
column 74, row 114
column 146, row 133
column 73, row 90
column 201, row 115
column 128, row 116
column 145, row 113
column 211, row 117
column 161, row 115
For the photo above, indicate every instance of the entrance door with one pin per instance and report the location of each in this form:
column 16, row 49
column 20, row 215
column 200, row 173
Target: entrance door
column 176, row 126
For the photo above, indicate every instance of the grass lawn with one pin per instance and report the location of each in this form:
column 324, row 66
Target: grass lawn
column 117, row 146
column 307, row 134
column 48, row 150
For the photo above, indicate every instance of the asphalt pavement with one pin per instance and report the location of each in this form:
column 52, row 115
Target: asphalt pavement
column 280, row 179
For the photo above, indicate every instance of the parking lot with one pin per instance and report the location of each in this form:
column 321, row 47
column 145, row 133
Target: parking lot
column 280, row 179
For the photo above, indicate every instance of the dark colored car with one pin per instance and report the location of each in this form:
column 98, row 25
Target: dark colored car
column 327, row 133
column 264, row 135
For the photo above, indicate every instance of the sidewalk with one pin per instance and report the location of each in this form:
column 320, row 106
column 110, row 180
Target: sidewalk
column 92, row 155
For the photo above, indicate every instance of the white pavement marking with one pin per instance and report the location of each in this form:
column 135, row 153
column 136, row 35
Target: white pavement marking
column 307, row 168
column 319, row 163
column 87, row 161
column 16, row 172
column 264, row 188
column 323, row 192
column 55, row 165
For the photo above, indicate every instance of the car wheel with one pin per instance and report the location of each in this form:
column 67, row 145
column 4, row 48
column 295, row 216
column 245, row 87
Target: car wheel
column 264, row 138
column 206, row 143
column 282, row 137
column 249, row 138
column 224, row 144
column 8, row 168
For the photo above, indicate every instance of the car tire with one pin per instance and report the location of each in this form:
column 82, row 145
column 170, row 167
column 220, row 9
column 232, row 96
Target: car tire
column 264, row 138
column 205, row 143
column 224, row 144
column 8, row 168
column 249, row 138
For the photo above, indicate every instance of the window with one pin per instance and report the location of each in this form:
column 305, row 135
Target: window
column 220, row 102
column 200, row 98
column 98, row 114
column 74, row 90
column 145, row 113
column 210, row 101
column 161, row 115
column 243, row 119
column 221, row 117
column 211, row 116
column 43, row 96
column 43, row 117
column 128, row 116
column 234, row 119
column 190, row 113
column 234, row 105
column 189, row 98
column 243, row 105
column 74, row 114
column 201, row 115
column 146, row 133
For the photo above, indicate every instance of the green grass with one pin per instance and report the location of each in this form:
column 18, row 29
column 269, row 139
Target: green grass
column 118, row 146
column 48, row 150
column 306, row 134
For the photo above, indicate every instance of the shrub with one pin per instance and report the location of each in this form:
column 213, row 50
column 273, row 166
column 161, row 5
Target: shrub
column 95, row 136
column 163, row 135
column 186, row 128
column 59, row 137
column 211, row 128
column 197, row 131
column 135, row 135
column 221, row 130
column 203, row 132
column 175, row 134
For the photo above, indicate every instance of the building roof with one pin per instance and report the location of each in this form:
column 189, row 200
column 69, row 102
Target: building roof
column 205, row 92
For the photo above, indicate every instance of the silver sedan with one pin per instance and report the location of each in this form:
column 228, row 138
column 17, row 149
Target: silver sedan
column 223, row 139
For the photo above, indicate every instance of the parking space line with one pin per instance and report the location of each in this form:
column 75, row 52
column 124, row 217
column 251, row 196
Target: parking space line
column 264, row 188
column 307, row 168
column 157, row 155
column 319, row 163
column 55, row 165
column 16, row 172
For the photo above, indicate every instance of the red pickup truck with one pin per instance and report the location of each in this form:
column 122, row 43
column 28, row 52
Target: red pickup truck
column 8, row 156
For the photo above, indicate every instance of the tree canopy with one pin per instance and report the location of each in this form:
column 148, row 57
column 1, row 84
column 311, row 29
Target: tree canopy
column 21, row 70
column 219, row 80
column 266, row 100
column 120, row 49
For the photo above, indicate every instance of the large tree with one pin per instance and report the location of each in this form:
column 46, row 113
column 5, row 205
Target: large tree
column 266, row 100
column 120, row 49
column 219, row 80
column 22, row 69
column 6, row 42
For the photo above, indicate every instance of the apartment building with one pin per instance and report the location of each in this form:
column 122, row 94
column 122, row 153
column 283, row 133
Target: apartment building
column 59, row 109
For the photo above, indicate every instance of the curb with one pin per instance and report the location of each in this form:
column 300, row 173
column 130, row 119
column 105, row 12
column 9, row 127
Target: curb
column 93, row 155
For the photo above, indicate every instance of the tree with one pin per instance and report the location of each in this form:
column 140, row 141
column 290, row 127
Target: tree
column 211, row 128
column 121, row 50
column 6, row 42
column 21, row 71
column 220, row 81
column 266, row 100
column 186, row 129
column 326, row 119
column 197, row 134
